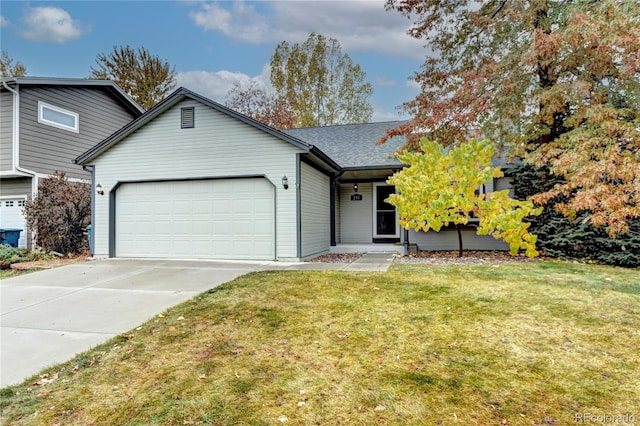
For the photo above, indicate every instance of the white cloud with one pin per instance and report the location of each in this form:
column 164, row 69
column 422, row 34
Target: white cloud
column 216, row 84
column 51, row 24
column 241, row 22
column 411, row 82
column 358, row 25
column 383, row 82
column 4, row 22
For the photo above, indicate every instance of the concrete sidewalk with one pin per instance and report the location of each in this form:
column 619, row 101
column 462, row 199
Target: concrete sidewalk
column 49, row 316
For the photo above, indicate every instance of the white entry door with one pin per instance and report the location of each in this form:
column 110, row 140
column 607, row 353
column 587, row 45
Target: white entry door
column 216, row 219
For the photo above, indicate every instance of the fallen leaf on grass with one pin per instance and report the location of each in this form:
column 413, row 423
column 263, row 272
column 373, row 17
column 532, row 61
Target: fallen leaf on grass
column 45, row 379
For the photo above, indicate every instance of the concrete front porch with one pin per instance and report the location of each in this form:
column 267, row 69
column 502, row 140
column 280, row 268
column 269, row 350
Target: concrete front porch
column 367, row 248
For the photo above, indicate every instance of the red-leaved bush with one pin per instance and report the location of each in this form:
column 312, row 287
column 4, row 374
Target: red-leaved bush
column 59, row 214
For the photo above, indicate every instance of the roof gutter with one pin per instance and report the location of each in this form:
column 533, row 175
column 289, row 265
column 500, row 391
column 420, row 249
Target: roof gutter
column 15, row 139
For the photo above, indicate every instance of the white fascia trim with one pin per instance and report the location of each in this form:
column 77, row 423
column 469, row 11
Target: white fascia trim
column 14, row 173
column 13, row 197
column 70, row 179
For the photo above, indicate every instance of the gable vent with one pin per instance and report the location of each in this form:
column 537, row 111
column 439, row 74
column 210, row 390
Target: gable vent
column 187, row 118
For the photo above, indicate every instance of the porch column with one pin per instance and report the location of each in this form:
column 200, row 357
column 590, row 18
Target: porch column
column 332, row 208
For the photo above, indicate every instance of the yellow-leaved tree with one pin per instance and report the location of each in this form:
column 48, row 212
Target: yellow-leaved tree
column 440, row 188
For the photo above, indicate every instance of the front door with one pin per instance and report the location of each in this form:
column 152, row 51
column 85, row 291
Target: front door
column 385, row 220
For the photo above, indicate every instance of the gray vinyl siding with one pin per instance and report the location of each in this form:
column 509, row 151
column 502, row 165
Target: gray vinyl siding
column 315, row 211
column 218, row 146
column 15, row 186
column 45, row 149
column 448, row 240
column 503, row 183
column 6, row 130
column 356, row 217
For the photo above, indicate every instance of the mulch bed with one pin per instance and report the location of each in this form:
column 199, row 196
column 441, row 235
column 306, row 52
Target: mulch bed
column 337, row 258
column 50, row 263
column 469, row 257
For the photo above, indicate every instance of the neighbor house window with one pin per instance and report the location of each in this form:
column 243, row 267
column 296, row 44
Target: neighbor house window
column 58, row 117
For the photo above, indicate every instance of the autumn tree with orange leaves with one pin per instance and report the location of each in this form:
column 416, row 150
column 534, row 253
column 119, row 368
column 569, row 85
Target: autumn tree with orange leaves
column 557, row 82
column 253, row 100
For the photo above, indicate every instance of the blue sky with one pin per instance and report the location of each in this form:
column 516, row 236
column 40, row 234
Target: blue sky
column 213, row 44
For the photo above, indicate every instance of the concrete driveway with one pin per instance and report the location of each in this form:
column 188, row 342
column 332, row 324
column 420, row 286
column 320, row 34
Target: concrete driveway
column 47, row 317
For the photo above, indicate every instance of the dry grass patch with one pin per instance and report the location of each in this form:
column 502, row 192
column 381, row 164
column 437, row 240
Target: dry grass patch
column 516, row 343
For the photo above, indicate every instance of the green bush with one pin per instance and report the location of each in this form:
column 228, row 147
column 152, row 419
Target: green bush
column 578, row 239
column 9, row 255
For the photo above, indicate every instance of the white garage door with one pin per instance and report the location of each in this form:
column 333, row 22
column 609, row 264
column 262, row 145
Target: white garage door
column 222, row 219
column 11, row 217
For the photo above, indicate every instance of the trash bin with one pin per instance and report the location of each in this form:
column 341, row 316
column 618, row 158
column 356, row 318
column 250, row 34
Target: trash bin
column 90, row 239
column 10, row 236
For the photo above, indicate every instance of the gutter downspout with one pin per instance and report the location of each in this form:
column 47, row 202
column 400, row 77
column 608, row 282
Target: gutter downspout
column 16, row 140
column 406, row 242
column 332, row 206
column 298, row 208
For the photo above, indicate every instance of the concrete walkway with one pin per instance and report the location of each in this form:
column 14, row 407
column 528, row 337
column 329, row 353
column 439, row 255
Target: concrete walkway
column 371, row 262
column 367, row 262
column 49, row 316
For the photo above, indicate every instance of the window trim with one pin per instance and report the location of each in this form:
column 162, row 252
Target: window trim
column 41, row 119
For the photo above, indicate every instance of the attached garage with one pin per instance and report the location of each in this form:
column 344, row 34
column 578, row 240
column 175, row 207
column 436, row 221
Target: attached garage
column 208, row 218
column 192, row 179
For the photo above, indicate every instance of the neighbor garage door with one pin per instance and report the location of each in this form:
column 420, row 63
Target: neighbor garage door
column 11, row 217
column 222, row 219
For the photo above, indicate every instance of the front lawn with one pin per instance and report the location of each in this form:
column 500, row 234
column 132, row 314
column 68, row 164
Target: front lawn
column 535, row 343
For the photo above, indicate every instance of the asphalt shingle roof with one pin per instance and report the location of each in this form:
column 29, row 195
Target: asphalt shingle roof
column 353, row 145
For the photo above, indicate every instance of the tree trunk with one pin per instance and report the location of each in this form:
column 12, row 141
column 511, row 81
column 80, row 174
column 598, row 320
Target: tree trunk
column 459, row 240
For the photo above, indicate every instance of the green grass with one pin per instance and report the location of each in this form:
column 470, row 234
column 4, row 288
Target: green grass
column 531, row 343
column 8, row 273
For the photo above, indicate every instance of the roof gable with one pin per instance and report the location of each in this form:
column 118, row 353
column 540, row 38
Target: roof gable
column 108, row 85
column 177, row 97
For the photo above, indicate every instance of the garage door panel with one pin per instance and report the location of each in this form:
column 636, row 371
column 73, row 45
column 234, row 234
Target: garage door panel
column 232, row 219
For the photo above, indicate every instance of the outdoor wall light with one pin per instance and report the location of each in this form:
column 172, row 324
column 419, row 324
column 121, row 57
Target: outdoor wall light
column 99, row 189
column 285, row 182
column 355, row 187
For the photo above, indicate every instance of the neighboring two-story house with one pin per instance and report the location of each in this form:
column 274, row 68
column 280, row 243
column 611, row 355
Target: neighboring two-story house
column 45, row 123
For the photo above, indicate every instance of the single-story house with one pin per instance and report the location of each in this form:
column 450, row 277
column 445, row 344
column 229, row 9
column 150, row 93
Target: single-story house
column 194, row 179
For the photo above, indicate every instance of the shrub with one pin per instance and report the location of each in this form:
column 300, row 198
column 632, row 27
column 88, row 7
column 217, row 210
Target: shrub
column 573, row 239
column 59, row 214
column 9, row 255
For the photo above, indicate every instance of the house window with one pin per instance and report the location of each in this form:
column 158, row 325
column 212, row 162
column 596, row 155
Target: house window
column 187, row 118
column 482, row 189
column 58, row 117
